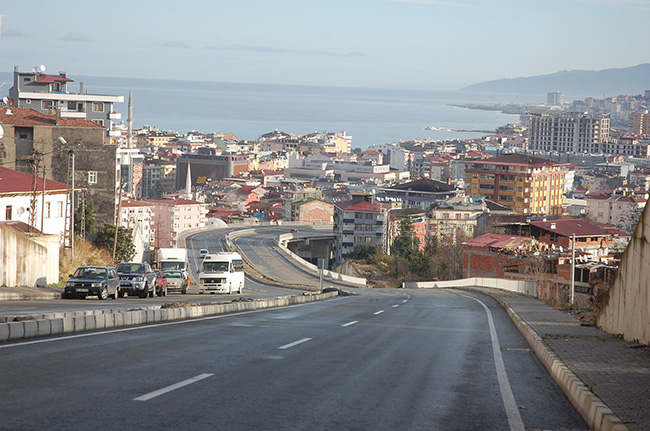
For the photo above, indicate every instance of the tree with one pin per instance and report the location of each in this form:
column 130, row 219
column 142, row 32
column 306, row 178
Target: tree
column 406, row 243
column 87, row 208
column 105, row 238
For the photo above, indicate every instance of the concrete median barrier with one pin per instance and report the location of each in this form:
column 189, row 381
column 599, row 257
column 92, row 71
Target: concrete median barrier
column 61, row 323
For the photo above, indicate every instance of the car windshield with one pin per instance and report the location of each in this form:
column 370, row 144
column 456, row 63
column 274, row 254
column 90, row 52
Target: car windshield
column 213, row 266
column 130, row 267
column 172, row 274
column 90, row 273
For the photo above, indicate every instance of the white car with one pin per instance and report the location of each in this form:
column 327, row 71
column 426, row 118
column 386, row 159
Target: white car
column 203, row 252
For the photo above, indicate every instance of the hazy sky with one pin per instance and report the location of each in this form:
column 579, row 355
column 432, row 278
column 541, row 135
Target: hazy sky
column 417, row 44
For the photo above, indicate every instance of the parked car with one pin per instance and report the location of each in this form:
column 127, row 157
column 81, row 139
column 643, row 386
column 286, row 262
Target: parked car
column 100, row 281
column 203, row 252
column 176, row 282
column 136, row 279
column 161, row 283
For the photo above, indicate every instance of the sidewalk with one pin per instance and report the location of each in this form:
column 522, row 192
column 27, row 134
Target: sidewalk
column 27, row 293
column 590, row 365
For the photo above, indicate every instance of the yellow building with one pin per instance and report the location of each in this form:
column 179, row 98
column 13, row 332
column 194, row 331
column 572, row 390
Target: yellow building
column 527, row 184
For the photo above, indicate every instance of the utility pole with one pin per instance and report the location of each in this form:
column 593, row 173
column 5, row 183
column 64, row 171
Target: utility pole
column 117, row 218
column 43, row 200
column 35, row 162
column 69, row 203
column 573, row 268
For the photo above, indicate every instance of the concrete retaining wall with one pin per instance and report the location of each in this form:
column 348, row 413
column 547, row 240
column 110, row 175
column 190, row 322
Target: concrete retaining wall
column 627, row 307
column 282, row 239
column 61, row 323
column 27, row 260
column 517, row 286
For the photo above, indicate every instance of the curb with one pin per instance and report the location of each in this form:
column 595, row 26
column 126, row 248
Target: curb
column 593, row 410
column 20, row 296
column 60, row 323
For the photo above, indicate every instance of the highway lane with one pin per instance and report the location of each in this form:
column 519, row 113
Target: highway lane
column 386, row 360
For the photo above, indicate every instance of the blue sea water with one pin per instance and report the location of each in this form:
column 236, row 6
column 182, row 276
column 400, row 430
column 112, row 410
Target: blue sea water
column 370, row 116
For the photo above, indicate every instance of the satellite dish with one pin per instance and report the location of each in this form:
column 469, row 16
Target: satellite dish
column 553, row 247
column 5, row 100
column 41, row 68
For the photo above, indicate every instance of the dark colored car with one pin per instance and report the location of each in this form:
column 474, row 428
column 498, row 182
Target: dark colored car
column 136, row 279
column 161, row 283
column 100, row 281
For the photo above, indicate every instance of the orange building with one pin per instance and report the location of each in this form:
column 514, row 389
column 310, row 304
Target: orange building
column 527, row 184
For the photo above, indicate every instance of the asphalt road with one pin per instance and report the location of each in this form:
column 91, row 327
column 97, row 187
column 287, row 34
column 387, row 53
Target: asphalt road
column 386, row 360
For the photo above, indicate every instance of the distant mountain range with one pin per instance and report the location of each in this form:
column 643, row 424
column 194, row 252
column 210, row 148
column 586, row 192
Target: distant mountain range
column 577, row 83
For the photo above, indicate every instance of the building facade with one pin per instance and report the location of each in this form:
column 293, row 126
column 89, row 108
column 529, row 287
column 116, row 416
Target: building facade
column 568, row 132
column 358, row 223
column 527, row 184
column 50, row 93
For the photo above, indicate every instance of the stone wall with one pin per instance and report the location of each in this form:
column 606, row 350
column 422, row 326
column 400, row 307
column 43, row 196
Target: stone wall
column 627, row 307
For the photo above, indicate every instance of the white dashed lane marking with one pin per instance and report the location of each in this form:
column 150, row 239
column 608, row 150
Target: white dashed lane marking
column 154, row 394
column 350, row 323
column 378, row 312
column 295, row 343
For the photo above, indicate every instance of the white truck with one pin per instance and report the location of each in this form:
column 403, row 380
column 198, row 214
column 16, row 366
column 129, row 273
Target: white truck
column 173, row 258
column 222, row 273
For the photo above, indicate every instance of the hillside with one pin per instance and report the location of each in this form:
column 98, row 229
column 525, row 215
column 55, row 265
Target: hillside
column 582, row 83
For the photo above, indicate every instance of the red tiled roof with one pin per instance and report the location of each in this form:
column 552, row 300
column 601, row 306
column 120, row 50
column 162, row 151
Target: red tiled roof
column 499, row 241
column 135, row 203
column 13, row 182
column 49, row 79
column 569, row 227
column 28, row 117
column 364, row 206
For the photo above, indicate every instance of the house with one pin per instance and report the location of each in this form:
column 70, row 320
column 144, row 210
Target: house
column 618, row 209
column 314, row 211
column 420, row 193
column 173, row 216
column 418, row 219
column 23, row 199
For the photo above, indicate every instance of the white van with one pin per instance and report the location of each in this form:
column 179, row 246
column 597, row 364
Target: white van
column 222, row 273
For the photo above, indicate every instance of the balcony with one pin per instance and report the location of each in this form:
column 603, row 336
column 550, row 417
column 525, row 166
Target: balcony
column 115, row 115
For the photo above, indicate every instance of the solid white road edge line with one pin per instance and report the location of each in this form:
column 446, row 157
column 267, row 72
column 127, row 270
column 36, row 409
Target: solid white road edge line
column 512, row 411
column 154, row 394
column 295, row 343
column 350, row 323
column 378, row 312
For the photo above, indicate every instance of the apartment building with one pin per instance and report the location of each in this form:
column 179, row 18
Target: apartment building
column 527, row 184
column 641, row 123
column 173, row 216
column 51, row 93
column 358, row 223
column 568, row 132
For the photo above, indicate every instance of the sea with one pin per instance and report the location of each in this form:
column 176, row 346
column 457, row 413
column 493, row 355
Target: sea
column 369, row 115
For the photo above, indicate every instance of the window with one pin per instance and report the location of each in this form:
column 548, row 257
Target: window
column 72, row 106
column 98, row 107
column 8, row 212
column 368, row 239
column 46, row 104
column 59, row 209
column 46, row 210
column 100, row 122
column 92, row 177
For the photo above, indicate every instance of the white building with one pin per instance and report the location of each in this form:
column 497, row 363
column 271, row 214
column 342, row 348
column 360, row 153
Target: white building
column 16, row 194
column 49, row 93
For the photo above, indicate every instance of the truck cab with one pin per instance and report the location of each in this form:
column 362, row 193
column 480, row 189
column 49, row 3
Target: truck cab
column 222, row 273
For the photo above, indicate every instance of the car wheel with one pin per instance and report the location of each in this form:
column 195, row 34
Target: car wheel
column 120, row 294
column 116, row 294
column 144, row 292
column 152, row 292
column 103, row 294
column 66, row 295
column 184, row 291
